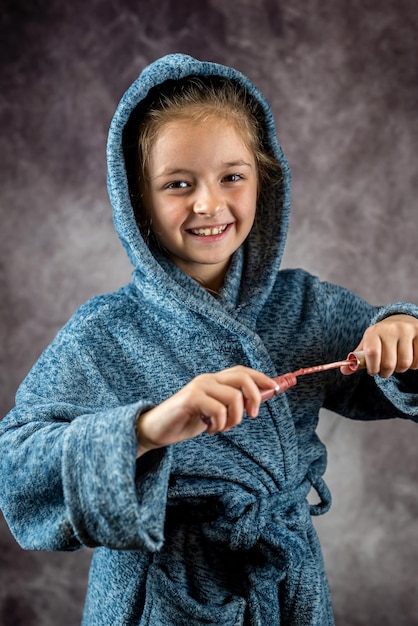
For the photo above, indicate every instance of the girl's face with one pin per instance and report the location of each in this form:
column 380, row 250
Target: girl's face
column 201, row 194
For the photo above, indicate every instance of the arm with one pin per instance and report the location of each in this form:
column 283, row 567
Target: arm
column 210, row 402
column 68, row 451
column 391, row 348
column 389, row 387
column 68, row 465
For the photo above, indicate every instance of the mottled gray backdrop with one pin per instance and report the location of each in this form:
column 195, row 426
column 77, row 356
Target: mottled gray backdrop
column 343, row 81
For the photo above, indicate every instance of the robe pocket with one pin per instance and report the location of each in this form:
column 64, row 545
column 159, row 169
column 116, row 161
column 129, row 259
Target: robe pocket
column 167, row 604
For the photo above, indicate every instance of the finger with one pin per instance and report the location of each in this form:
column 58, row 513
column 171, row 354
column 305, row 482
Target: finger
column 237, row 389
column 252, row 396
column 373, row 356
column 181, row 414
column 414, row 364
column 224, row 405
column 379, row 350
column 236, row 375
column 405, row 355
column 215, row 418
column 249, row 382
column 388, row 359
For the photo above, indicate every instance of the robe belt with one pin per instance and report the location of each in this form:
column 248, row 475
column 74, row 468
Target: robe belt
column 275, row 521
column 243, row 518
column 274, row 527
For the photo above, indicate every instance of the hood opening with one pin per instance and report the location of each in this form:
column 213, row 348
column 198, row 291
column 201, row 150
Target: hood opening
column 270, row 168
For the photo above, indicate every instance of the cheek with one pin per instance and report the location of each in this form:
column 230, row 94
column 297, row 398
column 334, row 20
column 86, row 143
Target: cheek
column 167, row 217
column 248, row 206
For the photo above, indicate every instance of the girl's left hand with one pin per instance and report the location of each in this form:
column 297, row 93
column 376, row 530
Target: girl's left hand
column 390, row 346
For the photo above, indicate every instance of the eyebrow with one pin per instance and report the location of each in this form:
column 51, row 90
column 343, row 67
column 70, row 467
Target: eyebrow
column 179, row 171
column 172, row 172
column 239, row 162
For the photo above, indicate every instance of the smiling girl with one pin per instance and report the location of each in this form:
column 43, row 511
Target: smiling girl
column 201, row 191
column 141, row 432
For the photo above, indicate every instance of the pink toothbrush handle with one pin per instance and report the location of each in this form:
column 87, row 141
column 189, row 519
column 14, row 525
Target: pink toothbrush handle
column 284, row 382
column 355, row 361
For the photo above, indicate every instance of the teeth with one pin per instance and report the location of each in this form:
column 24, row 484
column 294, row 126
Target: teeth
column 205, row 232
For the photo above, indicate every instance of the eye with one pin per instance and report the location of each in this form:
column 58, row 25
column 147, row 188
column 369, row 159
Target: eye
column 177, row 184
column 233, row 178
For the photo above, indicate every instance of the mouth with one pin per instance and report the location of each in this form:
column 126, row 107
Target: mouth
column 209, row 231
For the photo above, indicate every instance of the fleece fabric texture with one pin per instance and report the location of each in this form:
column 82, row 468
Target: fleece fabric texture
column 216, row 530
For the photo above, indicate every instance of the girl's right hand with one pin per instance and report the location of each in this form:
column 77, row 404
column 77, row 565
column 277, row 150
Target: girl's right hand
column 210, row 402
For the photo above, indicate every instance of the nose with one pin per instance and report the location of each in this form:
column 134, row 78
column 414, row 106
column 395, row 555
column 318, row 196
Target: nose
column 208, row 202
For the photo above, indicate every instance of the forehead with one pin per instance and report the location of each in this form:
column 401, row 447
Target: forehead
column 185, row 134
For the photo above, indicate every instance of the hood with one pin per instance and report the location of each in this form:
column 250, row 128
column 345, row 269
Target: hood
column 264, row 247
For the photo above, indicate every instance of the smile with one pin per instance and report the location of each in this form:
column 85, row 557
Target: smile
column 207, row 232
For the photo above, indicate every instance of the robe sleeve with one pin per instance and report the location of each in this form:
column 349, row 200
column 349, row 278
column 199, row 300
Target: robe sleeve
column 360, row 396
column 68, row 469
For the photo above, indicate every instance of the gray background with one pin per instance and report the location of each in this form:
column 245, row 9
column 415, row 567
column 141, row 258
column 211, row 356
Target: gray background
column 342, row 78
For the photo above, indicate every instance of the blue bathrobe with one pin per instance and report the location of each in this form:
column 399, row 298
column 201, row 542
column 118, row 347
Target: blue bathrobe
column 216, row 530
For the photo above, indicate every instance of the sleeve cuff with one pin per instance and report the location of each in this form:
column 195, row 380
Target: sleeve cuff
column 110, row 502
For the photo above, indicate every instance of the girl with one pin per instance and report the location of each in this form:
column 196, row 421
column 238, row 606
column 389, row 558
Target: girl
column 141, row 432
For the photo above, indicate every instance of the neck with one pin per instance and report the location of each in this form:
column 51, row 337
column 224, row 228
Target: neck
column 213, row 292
column 211, row 277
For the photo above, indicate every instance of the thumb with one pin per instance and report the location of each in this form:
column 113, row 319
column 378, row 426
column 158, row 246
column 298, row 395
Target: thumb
column 346, row 369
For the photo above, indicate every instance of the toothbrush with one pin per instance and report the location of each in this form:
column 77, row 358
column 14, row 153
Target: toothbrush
column 355, row 361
